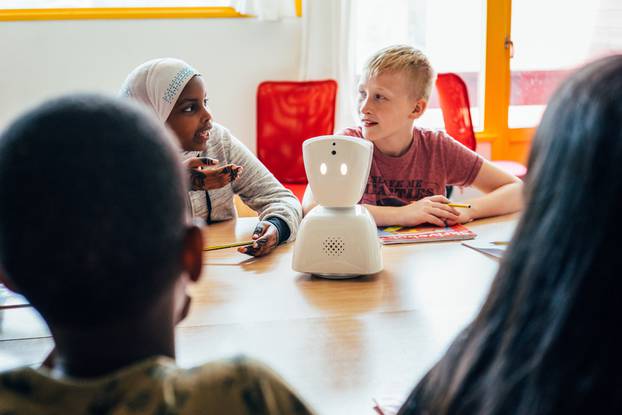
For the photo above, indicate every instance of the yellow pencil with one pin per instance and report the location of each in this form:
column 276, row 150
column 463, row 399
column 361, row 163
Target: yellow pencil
column 459, row 205
column 231, row 245
column 500, row 243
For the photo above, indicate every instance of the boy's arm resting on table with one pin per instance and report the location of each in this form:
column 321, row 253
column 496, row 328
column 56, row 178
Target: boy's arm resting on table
column 503, row 194
column 432, row 209
column 384, row 215
column 261, row 191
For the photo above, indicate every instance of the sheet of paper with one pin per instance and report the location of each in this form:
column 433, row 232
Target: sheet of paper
column 9, row 299
column 487, row 248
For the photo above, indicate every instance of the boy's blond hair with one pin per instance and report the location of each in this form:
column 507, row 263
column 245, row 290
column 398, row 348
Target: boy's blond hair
column 404, row 58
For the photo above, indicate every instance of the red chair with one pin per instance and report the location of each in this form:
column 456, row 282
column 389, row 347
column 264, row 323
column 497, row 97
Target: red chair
column 454, row 101
column 288, row 113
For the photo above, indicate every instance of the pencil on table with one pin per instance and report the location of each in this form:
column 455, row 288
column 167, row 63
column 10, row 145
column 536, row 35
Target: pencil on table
column 231, row 245
column 500, row 243
column 459, row 205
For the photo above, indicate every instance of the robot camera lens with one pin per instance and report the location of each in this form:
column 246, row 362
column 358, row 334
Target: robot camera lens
column 333, row 152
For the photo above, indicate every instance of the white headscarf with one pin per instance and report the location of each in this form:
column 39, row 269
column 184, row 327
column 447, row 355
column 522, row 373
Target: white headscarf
column 158, row 83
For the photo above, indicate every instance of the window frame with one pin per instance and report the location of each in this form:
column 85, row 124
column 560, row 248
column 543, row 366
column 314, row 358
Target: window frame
column 506, row 143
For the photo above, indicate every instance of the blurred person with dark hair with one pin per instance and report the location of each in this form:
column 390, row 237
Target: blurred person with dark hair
column 99, row 242
column 545, row 341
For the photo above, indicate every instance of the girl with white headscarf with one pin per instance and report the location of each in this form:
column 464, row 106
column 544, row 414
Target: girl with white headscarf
column 176, row 92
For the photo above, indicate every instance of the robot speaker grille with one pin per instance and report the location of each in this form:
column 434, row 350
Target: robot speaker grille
column 333, row 246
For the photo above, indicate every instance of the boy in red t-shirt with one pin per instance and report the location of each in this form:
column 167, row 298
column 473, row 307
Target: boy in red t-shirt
column 411, row 166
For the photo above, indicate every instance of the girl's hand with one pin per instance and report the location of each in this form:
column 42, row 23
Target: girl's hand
column 199, row 162
column 214, row 177
column 432, row 209
column 266, row 237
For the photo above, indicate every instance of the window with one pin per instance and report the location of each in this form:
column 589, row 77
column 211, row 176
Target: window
column 453, row 41
column 548, row 48
column 508, row 95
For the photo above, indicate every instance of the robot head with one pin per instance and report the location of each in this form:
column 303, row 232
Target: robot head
column 337, row 168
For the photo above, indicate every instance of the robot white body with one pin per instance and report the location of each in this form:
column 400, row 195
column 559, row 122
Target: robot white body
column 337, row 238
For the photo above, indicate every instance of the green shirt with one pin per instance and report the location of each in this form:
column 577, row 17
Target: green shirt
column 154, row 386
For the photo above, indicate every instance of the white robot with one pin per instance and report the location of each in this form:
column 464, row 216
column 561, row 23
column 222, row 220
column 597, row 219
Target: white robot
column 337, row 238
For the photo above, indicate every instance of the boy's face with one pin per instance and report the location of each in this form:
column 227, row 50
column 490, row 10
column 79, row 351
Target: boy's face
column 190, row 118
column 387, row 108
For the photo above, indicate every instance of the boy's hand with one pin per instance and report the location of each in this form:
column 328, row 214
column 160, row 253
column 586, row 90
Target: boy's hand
column 432, row 209
column 213, row 177
column 266, row 237
column 463, row 217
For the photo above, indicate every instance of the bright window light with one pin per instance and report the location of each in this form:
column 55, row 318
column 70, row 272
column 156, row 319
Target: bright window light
column 588, row 30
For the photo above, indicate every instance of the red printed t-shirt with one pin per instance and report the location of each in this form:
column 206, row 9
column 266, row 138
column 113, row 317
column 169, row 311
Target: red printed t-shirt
column 433, row 161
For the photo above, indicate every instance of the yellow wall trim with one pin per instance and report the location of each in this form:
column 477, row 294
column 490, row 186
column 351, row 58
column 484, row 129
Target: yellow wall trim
column 120, row 13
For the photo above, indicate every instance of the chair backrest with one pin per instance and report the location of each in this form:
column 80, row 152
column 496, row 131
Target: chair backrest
column 288, row 113
column 454, row 101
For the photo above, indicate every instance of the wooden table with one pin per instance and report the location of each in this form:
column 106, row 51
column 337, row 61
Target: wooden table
column 338, row 343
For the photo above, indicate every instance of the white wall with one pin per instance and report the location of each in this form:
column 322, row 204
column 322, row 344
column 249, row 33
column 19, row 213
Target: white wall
column 43, row 59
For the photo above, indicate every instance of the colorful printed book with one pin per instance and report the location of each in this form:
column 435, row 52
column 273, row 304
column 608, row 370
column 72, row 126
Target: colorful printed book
column 405, row 235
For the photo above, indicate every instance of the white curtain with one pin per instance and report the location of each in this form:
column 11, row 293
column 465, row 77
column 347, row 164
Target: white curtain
column 266, row 9
column 327, row 52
